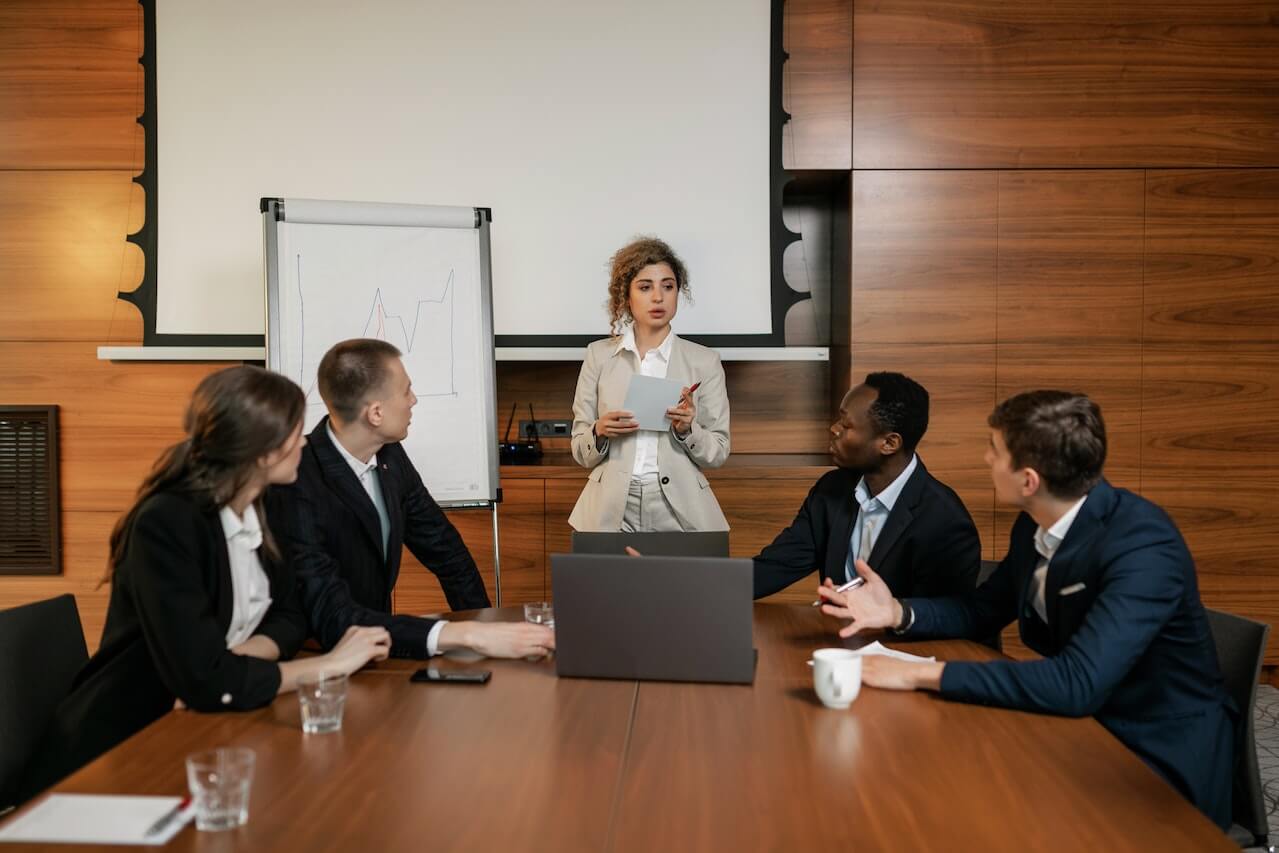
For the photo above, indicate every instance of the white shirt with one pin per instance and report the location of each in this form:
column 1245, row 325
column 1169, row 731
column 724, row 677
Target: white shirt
column 250, row 587
column 1046, row 543
column 654, row 363
column 366, row 473
column 872, row 513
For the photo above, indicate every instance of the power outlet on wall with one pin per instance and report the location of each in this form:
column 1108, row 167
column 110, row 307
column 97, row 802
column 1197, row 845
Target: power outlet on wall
column 546, row 429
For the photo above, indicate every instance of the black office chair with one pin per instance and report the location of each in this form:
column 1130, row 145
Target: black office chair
column 987, row 569
column 41, row 650
column 1241, row 644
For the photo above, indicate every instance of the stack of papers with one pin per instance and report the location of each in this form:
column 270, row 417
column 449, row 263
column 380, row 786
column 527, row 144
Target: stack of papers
column 876, row 648
column 94, row 819
column 648, row 398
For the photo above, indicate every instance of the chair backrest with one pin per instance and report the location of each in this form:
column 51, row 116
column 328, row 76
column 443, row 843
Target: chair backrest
column 41, row 650
column 1241, row 644
column 987, row 569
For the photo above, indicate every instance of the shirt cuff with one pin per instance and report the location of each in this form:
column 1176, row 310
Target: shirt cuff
column 601, row 444
column 433, row 638
column 681, row 438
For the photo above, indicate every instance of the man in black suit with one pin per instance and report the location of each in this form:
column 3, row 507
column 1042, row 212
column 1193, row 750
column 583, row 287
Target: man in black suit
column 1101, row 584
column 881, row 504
column 358, row 501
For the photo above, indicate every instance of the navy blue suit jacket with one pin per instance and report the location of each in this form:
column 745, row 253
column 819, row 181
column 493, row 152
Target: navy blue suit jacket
column 929, row 545
column 328, row 527
column 1126, row 641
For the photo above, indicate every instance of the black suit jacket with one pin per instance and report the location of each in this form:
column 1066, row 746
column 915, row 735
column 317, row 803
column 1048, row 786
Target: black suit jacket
column 329, row 528
column 929, row 545
column 165, row 639
column 1126, row 640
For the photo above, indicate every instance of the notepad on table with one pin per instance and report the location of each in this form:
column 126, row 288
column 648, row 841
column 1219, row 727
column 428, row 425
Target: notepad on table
column 648, row 398
column 94, row 819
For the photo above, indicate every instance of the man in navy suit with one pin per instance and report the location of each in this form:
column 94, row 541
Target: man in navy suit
column 880, row 503
column 358, row 502
column 1102, row 586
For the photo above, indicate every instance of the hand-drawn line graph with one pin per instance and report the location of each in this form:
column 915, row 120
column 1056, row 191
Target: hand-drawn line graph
column 390, row 327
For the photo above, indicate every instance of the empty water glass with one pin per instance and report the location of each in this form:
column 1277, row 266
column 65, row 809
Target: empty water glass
column 219, row 781
column 322, row 697
column 540, row 613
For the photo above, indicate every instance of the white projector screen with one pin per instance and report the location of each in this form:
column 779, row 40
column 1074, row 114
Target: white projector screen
column 580, row 123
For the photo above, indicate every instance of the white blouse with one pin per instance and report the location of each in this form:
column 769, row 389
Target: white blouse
column 250, row 586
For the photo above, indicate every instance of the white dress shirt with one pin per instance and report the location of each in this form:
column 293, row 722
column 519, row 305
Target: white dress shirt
column 1046, row 543
column 872, row 513
column 654, row 363
column 250, row 587
column 366, row 473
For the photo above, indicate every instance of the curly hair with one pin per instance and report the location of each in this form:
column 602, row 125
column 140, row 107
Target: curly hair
column 626, row 264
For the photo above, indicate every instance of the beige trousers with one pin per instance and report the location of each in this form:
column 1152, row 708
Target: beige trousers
column 647, row 509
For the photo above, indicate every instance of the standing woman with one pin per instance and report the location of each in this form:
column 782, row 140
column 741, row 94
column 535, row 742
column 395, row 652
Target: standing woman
column 644, row 481
column 202, row 609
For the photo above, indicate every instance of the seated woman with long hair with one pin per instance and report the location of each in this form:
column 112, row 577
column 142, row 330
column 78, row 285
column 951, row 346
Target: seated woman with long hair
column 203, row 612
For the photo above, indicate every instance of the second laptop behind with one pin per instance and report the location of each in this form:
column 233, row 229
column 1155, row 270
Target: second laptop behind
column 710, row 543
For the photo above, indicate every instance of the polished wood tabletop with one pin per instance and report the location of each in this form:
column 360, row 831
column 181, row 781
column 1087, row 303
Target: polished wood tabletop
column 535, row 762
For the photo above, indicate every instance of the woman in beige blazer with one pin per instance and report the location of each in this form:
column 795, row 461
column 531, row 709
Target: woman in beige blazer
column 648, row 480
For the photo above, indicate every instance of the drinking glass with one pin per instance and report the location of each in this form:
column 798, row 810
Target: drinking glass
column 322, row 697
column 219, row 781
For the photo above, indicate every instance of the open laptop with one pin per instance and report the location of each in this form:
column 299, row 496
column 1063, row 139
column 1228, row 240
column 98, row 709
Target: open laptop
column 653, row 618
column 703, row 543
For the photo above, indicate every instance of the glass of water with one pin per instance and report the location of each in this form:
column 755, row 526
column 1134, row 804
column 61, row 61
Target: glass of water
column 322, row 697
column 219, row 781
column 540, row 613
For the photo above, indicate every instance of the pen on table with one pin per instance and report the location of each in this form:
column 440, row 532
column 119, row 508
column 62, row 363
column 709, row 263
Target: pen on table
column 852, row 584
column 168, row 817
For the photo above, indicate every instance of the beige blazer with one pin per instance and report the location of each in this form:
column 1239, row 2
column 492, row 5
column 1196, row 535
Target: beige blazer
column 601, row 387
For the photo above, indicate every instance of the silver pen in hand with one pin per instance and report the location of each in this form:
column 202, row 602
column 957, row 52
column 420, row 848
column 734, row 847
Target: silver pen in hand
column 852, row 584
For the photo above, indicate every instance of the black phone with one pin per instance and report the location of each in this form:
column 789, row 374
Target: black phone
column 435, row 675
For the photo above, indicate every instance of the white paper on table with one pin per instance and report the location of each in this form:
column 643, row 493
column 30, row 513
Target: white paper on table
column 95, row 819
column 876, row 648
column 648, row 398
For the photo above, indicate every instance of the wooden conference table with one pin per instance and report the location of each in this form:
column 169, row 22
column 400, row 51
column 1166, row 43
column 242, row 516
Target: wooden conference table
column 534, row 762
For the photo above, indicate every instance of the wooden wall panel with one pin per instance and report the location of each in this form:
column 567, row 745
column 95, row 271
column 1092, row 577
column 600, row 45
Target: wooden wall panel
column 1083, row 83
column 817, row 84
column 64, row 257
column 417, row 590
column 924, row 286
column 1212, row 260
column 1210, row 427
column 70, row 84
column 924, row 257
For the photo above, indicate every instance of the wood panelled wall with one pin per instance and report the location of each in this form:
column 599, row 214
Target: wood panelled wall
column 70, row 92
column 1083, row 195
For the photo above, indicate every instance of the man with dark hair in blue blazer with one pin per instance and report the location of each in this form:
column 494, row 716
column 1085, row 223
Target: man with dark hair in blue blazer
column 1102, row 585
column 880, row 504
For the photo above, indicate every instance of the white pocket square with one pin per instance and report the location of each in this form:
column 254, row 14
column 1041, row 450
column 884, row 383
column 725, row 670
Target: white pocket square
column 1073, row 588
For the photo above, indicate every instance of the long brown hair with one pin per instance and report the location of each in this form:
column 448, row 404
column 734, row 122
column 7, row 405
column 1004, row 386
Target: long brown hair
column 235, row 417
column 626, row 264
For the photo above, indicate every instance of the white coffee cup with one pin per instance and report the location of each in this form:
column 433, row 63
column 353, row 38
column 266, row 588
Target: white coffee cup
column 837, row 676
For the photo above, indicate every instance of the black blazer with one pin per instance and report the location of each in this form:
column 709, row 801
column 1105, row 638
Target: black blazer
column 1127, row 641
column 165, row 639
column 329, row 528
column 929, row 545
